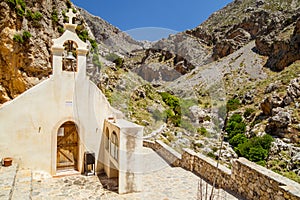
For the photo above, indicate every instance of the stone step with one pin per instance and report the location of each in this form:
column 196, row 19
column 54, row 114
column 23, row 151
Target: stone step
column 7, row 177
column 23, row 185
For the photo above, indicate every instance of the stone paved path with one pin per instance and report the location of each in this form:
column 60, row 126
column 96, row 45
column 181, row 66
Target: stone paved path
column 167, row 183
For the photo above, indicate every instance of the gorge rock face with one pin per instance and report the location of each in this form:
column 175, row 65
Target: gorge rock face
column 156, row 72
column 230, row 29
column 281, row 47
column 25, row 63
column 183, row 47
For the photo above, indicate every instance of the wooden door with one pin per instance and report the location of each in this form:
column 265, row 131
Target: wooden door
column 67, row 146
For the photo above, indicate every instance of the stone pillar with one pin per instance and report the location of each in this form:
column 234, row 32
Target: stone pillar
column 57, row 60
column 130, row 162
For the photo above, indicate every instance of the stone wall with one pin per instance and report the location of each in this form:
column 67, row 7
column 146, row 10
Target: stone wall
column 245, row 178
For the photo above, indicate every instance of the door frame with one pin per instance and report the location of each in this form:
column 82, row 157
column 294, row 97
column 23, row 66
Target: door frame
column 79, row 167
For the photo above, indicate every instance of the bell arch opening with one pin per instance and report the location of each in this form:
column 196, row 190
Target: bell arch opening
column 70, row 56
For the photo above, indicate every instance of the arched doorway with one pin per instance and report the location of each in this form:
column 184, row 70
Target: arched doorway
column 67, row 147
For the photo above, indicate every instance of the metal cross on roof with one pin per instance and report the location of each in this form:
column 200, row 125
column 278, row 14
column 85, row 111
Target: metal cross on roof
column 71, row 15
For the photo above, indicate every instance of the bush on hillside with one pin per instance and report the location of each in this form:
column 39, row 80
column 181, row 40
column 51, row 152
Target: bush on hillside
column 238, row 139
column 233, row 104
column 235, row 126
column 255, row 149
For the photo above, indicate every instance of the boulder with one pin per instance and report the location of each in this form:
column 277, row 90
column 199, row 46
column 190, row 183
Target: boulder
column 267, row 106
column 293, row 89
column 248, row 98
column 270, row 88
column 199, row 115
column 278, row 123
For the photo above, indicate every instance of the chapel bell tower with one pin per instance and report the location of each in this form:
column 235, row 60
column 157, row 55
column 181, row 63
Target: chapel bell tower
column 69, row 51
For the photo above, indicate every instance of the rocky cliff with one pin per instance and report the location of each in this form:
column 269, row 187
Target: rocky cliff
column 25, row 45
column 230, row 29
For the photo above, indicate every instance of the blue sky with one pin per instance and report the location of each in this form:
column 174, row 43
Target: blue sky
column 164, row 16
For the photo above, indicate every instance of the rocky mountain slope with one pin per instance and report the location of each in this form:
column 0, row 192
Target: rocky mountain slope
column 228, row 30
column 243, row 62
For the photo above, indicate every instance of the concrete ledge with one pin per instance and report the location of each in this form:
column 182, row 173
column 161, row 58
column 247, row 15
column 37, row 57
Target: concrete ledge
column 167, row 153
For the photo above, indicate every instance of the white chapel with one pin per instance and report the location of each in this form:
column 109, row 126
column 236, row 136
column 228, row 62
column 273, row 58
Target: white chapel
column 54, row 125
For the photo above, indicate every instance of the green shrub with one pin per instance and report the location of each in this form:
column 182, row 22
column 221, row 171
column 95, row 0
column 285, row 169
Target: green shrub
column 255, row 149
column 15, row 3
column 248, row 112
column 26, row 35
column 232, row 104
column 202, row 131
column 211, row 155
column 20, row 11
column 174, row 113
column 119, row 62
column 66, row 18
column 54, row 16
column 235, row 118
column 170, row 100
column 265, row 141
column 18, row 38
column 18, row 5
column 291, row 175
column 21, row 3
column 172, row 117
column 237, row 139
column 60, row 29
column 235, row 126
column 83, row 35
column 115, row 59
column 93, row 44
column 169, row 113
column 36, row 16
column 21, row 38
column 257, row 154
column 262, row 163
